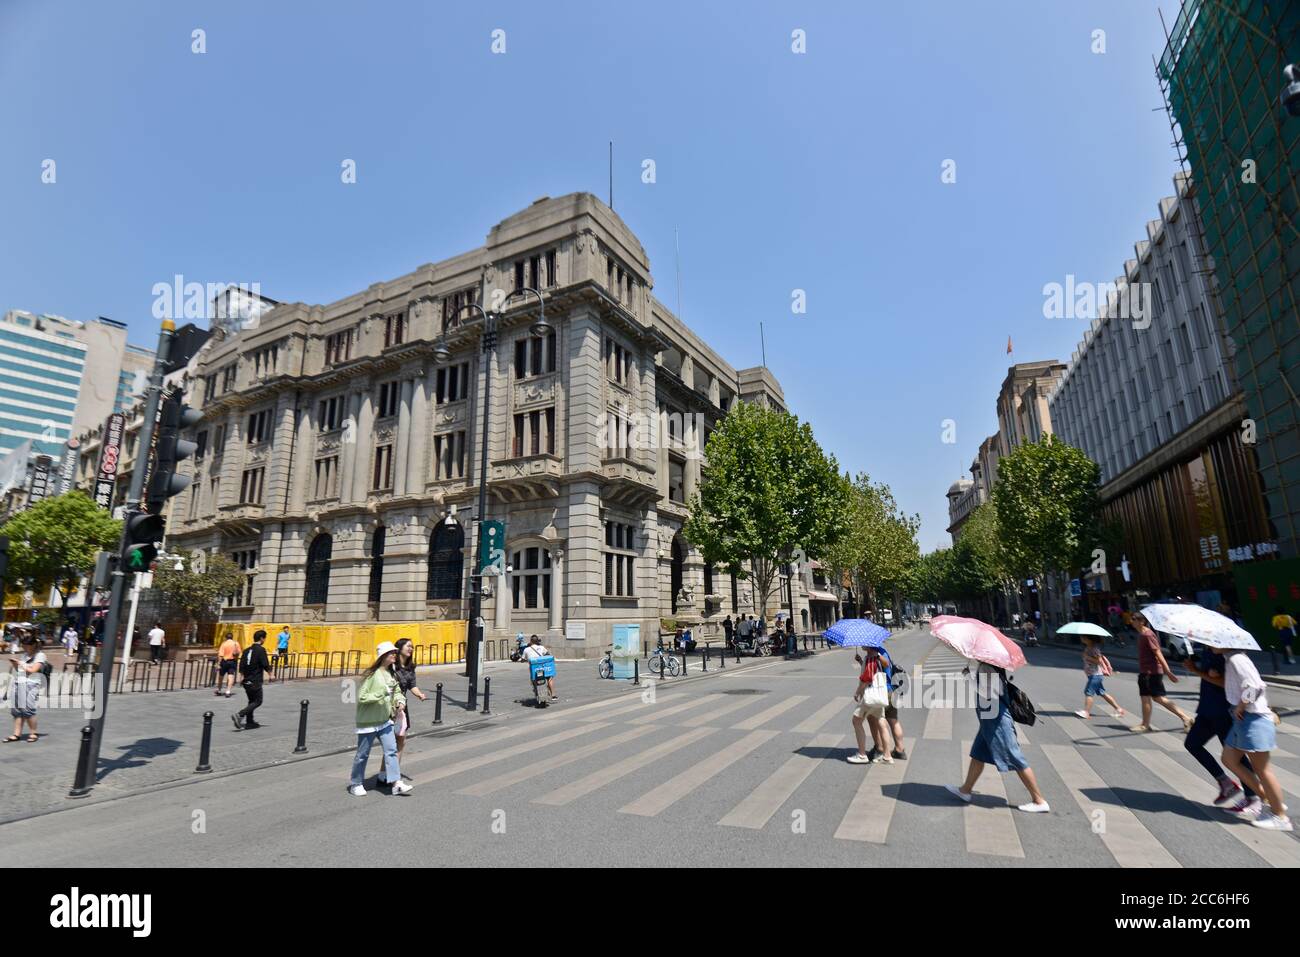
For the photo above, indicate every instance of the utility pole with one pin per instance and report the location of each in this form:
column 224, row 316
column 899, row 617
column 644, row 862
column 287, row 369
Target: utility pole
column 133, row 496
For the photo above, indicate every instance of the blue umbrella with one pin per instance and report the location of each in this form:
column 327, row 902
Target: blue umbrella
column 856, row 633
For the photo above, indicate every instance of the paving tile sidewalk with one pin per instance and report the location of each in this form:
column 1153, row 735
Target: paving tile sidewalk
column 152, row 739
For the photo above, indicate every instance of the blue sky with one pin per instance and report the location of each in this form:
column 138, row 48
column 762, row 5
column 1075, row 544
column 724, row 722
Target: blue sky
column 782, row 171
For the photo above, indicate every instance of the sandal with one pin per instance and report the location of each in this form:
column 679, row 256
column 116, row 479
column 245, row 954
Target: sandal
column 13, row 737
column 31, row 739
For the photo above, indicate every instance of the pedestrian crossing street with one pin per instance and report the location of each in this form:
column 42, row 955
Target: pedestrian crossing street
column 736, row 761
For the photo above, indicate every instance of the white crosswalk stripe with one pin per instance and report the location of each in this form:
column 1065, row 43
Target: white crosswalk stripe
column 1075, row 728
column 1128, row 841
column 680, row 745
column 990, row 827
column 1278, row 849
column 872, row 809
column 599, row 779
column 766, row 799
column 674, row 789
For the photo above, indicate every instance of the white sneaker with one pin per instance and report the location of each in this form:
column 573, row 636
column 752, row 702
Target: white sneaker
column 357, row 791
column 958, row 793
column 1082, row 714
column 859, row 759
column 1246, row 807
column 1041, row 807
column 1270, row 821
column 401, row 787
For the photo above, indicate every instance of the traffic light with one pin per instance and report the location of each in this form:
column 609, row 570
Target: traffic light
column 142, row 534
column 173, row 417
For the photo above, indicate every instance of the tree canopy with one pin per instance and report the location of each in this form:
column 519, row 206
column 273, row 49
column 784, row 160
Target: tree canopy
column 879, row 542
column 768, row 492
column 53, row 543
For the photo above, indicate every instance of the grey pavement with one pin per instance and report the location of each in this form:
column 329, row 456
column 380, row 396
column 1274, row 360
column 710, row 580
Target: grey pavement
column 740, row 767
column 153, row 738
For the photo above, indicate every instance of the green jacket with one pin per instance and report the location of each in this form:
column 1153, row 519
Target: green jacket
column 377, row 700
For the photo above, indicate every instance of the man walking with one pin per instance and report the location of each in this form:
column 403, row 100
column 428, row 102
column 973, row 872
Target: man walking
column 228, row 660
column 728, row 629
column 252, row 666
column 157, row 643
column 282, row 643
column 1152, row 671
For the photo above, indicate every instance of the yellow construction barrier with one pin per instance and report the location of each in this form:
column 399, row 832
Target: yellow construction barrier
column 348, row 637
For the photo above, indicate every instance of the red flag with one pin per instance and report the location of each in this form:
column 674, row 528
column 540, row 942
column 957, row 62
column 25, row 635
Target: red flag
column 1008, row 345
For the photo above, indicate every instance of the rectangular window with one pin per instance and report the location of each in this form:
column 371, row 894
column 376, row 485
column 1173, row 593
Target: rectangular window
column 250, row 487
column 338, row 347
column 330, row 414
column 449, row 456
column 531, row 581
column 394, row 329
column 550, row 267
column 676, row 482
column 617, row 362
column 228, row 377
column 389, row 397
column 620, row 560
column 451, row 384
column 517, row 449
column 454, row 307
column 327, row 471
column 383, row 478
column 259, row 427
column 533, row 356
column 534, row 432
column 265, row 360
column 201, row 440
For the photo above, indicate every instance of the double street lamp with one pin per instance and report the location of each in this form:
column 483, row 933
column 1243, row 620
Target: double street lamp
column 488, row 341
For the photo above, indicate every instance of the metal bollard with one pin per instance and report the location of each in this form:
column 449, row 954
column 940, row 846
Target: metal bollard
column 302, row 728
column 471, row 697
column 81, row 786
column 487, row 695
column 683, row 662
column 722, row 658
column 206, row 746
column 437, row 706
column 704, row 661
column 636, row 671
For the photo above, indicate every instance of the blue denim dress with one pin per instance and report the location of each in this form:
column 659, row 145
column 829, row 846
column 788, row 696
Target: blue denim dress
column 996, row 742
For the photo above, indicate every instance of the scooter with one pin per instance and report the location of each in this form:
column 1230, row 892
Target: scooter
column 754, row 644
column 520, row 644
column 1031, row 638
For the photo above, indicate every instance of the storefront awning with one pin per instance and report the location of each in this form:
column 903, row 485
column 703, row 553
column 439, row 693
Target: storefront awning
column 823, row 596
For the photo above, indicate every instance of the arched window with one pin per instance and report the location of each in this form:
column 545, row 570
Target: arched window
column 446, row 561
column 377, row 542
column 318, row 570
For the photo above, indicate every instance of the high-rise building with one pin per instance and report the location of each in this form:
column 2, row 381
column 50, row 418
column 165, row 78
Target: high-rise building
column 1222, row 76
column 43, row 363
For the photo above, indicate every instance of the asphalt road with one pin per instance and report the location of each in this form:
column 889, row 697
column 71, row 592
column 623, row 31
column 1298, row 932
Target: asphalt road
column 744, row 767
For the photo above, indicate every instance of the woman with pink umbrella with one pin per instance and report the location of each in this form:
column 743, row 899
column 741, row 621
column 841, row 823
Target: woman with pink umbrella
column 996, row 742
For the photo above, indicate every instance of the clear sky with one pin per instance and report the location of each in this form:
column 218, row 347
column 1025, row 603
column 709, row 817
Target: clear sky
column 818, row 171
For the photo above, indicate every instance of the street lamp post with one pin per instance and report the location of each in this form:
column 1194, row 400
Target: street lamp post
column 488, row 343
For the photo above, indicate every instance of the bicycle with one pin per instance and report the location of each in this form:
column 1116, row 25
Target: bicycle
column 605, row 667
column 667, row 663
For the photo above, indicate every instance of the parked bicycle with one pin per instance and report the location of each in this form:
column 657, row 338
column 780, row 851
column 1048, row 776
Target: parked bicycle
column 661, row 663
column 605, row 667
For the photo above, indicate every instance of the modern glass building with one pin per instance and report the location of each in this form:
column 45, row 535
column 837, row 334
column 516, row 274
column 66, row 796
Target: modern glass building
column 1222, row 76
column 41, row 369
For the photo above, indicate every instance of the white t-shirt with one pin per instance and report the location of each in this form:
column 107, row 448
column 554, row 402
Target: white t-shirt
column 21, row 673
column 156, row 636
column 535, row 651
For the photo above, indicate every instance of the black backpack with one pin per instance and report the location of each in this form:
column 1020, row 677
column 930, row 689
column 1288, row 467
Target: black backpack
column 1022, row 709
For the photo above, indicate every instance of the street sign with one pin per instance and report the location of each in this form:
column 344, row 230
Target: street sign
column 110, row 450
column 492, row 546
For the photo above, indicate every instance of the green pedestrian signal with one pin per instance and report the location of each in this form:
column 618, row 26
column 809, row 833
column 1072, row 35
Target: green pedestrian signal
column 142, row 533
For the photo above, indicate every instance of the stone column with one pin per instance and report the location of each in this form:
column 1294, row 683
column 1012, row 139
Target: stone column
column 417, row 471
column 557, row 590
column 303, row 475
column 351, row 430
column 402, row 450
column 365, row 439
column 501, row 590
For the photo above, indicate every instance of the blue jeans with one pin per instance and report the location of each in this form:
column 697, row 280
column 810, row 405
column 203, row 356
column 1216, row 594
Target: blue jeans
column 388, row 741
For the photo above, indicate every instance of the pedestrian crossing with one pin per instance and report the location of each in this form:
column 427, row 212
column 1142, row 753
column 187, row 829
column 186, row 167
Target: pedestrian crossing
column 735, row 761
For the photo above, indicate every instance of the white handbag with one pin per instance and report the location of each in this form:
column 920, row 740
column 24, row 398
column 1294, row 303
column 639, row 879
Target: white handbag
column 876, row 695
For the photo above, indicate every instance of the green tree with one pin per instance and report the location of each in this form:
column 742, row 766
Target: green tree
column 879, row 542
column 197, row 594
column 768, row 492
column 1048, row 511
column 53, row 544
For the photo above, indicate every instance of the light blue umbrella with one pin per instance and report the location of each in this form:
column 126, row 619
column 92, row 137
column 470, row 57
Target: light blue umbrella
column 856, row 633
column 1084, row 628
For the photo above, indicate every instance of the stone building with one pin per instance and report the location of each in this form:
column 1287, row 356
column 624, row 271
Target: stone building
column 338, row 456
